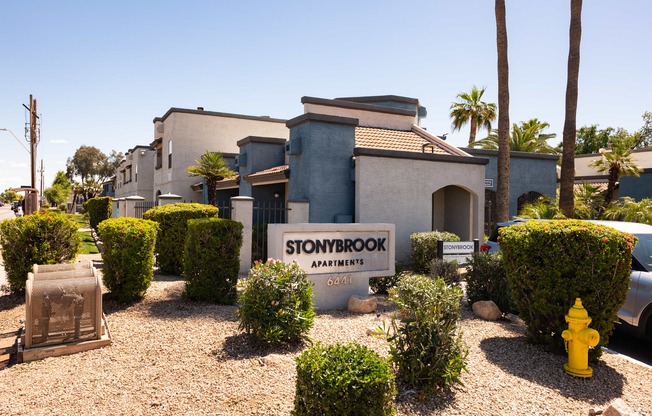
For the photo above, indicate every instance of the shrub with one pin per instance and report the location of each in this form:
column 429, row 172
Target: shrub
column 343, row 379
column 424, row 248
column 63, row 207
column 426, row 344
column 40, row 238
column 381, row 285
column 486, row 279
column 173, row 226
column 276, row 303
column 447, row 270
column 551, row 263
column 212, row 259
column 128, row 256
column 98, row 210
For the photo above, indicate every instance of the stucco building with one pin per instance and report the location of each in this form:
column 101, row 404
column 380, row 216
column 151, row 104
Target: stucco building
column 135, row 175
column 181, row 136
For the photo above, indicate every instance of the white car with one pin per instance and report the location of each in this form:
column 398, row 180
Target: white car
column 636, row 313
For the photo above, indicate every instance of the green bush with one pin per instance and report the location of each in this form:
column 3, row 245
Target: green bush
column 212, row 259
column 381, row 285
column 447, row 270
column 551, row 263
column 486, row 279
column 426, row 344
column 173, row 226
column 40, row 238
column 98, row 210
column 63, row 207
column 424, row 248
column 128, row 256
column 276, row 303
column 343, row 379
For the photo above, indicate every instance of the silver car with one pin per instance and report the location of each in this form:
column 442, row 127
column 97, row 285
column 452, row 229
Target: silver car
column 636, row 313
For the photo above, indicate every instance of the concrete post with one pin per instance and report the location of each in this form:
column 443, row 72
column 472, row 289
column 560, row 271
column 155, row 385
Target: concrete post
column 243, row 211
column 130, row 205
column 298, row 212
column 168, row 199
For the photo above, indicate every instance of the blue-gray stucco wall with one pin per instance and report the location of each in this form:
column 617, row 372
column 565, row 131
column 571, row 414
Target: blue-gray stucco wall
column 257, row 154
column 528, row 172
column 321, row 169
column 636, row 187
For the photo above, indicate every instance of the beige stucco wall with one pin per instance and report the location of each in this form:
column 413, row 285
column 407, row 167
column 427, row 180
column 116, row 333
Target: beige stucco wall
column 366, row 118
column 400, row 191
column 142, row 163
column 192, row 135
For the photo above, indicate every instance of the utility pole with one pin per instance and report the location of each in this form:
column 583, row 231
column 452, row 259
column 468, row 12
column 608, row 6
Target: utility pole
column 41, row 187
column 32, row 203
column 32, row 137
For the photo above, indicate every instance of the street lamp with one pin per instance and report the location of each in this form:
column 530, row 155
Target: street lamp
column 17, row 139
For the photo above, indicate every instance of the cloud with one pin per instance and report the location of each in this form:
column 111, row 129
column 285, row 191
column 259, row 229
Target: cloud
column 59, row 141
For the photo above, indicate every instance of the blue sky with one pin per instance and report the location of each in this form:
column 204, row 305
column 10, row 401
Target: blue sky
column 101, row 71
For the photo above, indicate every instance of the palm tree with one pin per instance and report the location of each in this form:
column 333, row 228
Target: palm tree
column 502, row 190
column 617, row 162
column 543, row 208
column 527, row 137
column 212, row 167
column 589, row 201
column 627, row 209
column 474, row 111
column 570, row 128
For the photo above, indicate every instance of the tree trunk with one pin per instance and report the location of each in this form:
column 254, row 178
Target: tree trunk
column 502, row 194
column 570, row 129
column 474, row 130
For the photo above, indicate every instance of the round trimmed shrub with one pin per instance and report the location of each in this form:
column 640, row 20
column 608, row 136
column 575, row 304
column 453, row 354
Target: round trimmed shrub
column 550, row 263
column 426, row 344
column 128, row 256
column 276, row 303
column 98, row 210
column 212, row 259
column 424, row 248
column 46, row 237
column 173, row 227
column 343, row 379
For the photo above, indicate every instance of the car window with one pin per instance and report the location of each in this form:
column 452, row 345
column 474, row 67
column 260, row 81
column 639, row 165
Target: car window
column 643, row 251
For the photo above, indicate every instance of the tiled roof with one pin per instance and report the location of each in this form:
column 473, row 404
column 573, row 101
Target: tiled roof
column 270, row 171
column 405, row 141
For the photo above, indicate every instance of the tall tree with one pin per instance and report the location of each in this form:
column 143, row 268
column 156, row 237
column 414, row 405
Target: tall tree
column 474, row 111
column 617, row 162
column 526, row 137
column 645, row 139
column 502, row 191
column 93, row 166
column 212, row 167
column 566, row 201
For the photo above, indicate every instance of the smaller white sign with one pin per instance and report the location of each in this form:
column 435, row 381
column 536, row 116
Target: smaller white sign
column 458, row 247
column 488, row 183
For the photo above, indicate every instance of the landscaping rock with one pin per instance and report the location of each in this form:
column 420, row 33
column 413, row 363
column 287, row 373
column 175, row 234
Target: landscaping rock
column 487, row 310
column 619, row 408
column 358, row 304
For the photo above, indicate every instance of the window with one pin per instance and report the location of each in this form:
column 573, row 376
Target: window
column 159, row 157
column 170, row 154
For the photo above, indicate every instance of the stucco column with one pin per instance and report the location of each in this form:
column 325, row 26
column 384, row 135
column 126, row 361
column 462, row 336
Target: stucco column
column 130, row 205
column 242, row 211
column 298, row 212
column 168, row 199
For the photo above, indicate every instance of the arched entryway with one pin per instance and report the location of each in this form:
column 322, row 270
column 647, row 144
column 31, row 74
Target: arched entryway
column 527, row 198
column 453, row 210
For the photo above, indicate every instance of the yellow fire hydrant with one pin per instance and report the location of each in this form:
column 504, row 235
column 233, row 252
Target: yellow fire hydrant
column 579, row 337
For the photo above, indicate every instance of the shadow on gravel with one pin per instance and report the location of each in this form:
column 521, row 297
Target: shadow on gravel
column 10, row 301
column 521, row 359
column 244, row 347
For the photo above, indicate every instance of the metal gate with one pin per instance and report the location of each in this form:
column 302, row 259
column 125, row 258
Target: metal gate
column 265, row 213
column 142, row 206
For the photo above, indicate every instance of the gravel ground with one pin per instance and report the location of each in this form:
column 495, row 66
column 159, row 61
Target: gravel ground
column 172, row 357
